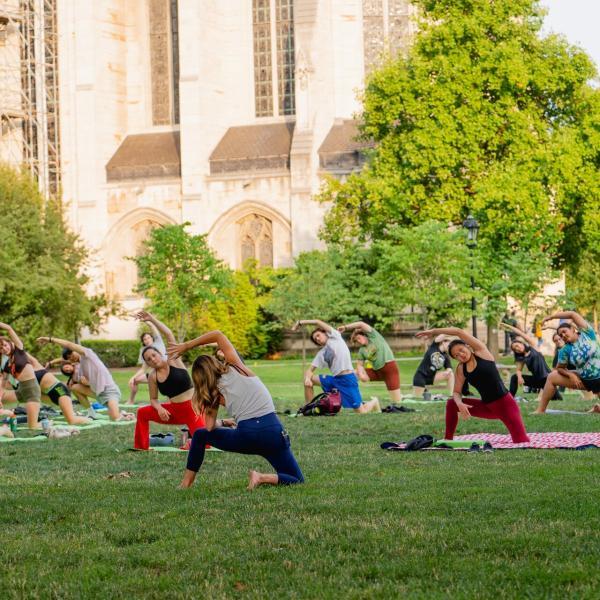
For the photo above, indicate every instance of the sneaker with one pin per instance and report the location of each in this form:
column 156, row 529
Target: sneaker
column 475, row 447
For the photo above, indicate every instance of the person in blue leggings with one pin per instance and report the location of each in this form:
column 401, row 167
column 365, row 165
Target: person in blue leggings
column 254, row 427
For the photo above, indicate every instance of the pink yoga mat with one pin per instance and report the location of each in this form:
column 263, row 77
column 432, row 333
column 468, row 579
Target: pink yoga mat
column 554, row 439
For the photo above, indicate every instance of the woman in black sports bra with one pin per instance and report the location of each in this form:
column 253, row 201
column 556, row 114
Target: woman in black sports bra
column 478, row 367
column 57, row 392
column 171, row 379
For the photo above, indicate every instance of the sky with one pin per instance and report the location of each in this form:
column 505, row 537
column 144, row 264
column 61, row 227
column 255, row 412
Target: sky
column 578, row 21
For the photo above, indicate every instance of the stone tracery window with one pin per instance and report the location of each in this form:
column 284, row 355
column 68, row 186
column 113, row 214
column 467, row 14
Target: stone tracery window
column 387, row 26
column 121, row 274
column 256, row 240
column 164, row 61
column 274, row 61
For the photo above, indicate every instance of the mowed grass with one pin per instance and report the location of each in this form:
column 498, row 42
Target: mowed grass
column 366, row 524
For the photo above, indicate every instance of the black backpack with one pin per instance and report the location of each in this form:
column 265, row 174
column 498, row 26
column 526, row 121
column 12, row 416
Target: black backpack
column 325, row 404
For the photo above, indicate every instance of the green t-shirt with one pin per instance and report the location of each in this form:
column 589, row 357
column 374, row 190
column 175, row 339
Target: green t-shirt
column 377, row 351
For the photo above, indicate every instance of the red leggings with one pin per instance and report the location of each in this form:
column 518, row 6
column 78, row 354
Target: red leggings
column 505, row 409
column 182, row 413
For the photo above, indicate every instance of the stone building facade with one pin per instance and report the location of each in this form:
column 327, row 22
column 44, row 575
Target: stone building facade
column 225, row 114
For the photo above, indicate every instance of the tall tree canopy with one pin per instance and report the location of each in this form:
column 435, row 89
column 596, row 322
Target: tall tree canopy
column 42, row 285
column 483, row 116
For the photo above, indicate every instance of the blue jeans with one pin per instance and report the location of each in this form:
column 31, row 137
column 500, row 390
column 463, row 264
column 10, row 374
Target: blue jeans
column 264, row 436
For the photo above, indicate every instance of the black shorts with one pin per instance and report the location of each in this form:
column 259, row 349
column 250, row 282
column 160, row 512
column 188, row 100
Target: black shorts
column 419, row 380
column 592, row 385
column 60, row 389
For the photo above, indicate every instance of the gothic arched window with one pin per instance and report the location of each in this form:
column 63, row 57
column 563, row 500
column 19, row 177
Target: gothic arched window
column 256, row 239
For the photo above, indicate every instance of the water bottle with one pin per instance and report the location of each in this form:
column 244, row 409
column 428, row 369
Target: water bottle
column 427, row 395
column 185, row 436
column 45, row 425
column 13, row 424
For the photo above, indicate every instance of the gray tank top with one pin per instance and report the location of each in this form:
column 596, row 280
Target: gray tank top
column 245, row 397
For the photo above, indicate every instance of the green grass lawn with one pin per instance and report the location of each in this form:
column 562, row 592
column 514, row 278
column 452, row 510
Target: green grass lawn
column 366, row 524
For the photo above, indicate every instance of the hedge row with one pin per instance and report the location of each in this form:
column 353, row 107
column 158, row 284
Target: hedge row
column 115, row 353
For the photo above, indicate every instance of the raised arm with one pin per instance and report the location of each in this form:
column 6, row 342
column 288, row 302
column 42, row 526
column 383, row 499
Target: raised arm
column 64, row 343
column 361, row 325
column 174, row 350
column 316, row 322
column 527, row 337
column 569, row 314
column 477, row 345
column 156, row 325
column 16, row 340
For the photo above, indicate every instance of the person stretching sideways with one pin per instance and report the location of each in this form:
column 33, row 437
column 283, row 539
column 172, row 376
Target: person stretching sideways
column 582, row 350
column 374, row 349
column 435, row 368
column 248, row 402
column 155, row 340
column 21, row 375
column 57, row 392
column 334, row 354
column 171, row 379
column 98, row 376
column 477, row 366
column 523, row 346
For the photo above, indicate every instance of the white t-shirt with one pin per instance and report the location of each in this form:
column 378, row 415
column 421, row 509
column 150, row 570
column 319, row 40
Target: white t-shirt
column 95, row 371
column 334, row 354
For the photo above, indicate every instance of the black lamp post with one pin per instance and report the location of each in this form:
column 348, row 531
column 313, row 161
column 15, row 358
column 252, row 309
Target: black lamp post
column 472, row 227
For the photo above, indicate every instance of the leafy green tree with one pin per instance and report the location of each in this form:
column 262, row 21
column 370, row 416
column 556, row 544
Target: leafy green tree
column 483, row 115
column 583, row 285
column 42, row 285
column 179, row 273
column 427, row 268
column 238, row 315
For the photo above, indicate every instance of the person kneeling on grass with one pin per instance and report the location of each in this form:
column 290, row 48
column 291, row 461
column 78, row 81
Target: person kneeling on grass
column 478, row 367
column 94, row 370
column 334, row 354
column 21, row 375
column 248, row 402
column 374, row 349
column 582, row 350
column 171, row 379
column 435, row 368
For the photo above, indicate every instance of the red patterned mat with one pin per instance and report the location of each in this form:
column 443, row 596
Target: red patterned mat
column 554, row 439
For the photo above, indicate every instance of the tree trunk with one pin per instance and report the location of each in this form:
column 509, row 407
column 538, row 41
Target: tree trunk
column 492, row 338
column 595, row 319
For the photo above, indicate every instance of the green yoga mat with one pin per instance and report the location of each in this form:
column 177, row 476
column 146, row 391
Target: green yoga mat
column 175, row 449
column 457, row 443
column 37, row 438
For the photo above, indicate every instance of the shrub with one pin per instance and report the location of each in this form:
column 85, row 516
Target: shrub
column 115, row 353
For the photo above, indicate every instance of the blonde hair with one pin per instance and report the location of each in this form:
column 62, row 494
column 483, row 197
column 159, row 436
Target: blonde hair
column 206, row 372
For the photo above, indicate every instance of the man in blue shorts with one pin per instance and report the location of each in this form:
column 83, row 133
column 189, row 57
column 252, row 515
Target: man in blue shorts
column 335, row 355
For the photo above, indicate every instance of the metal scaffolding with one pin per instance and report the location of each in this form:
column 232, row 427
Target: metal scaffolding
column 29, row 109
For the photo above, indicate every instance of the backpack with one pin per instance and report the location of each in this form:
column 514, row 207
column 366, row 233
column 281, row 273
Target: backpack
column 325, row 404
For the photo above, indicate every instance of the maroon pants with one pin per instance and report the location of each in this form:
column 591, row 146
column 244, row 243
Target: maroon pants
column 182, row 413
column 505, row 409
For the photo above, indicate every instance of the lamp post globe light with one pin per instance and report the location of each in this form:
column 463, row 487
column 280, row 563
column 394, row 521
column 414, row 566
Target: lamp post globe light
column 472, row 226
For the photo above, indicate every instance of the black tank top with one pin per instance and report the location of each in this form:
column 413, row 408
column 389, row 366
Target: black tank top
column 178, row 381
column 486, row 380
column 39, row 375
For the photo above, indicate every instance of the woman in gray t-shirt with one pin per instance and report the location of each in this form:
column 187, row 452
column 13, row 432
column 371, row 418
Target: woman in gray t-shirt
column 248, row 402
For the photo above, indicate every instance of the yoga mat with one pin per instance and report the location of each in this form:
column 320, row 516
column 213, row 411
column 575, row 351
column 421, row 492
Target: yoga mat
column 555, row 411
column 176, row 449
column 37, row 438
column 559, row 440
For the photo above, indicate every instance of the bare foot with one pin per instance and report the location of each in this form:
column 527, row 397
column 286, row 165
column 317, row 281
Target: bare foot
column 253, row 479
column 538, row 412
column 595, row 409
column 188, row 480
